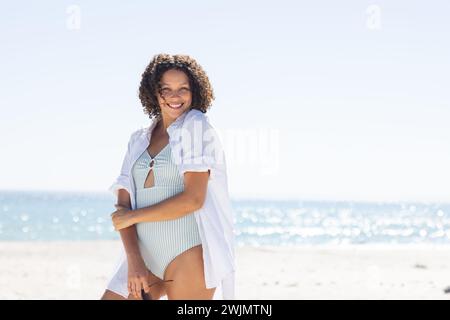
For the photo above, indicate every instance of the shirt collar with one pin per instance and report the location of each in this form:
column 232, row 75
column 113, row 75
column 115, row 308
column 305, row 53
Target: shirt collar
column 174, row 125
column 177, row 123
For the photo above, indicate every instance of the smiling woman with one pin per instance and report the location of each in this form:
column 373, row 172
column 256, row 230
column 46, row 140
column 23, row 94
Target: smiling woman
column 170, row 97
column 173, row 212
column 174, row 79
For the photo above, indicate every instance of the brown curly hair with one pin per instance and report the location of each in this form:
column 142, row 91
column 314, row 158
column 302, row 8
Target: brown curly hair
column 202, row 92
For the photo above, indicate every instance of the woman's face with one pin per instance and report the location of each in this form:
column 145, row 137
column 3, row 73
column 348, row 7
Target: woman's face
column 175, row 96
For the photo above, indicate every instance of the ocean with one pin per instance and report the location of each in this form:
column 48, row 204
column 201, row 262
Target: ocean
column 53, row 216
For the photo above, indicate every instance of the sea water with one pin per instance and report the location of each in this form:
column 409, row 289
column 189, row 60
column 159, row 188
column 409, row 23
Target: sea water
column 52, row 216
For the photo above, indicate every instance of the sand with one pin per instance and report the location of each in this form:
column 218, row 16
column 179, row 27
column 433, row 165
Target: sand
column 80, row 270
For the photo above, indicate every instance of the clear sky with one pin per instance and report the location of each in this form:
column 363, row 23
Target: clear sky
column 345, row 100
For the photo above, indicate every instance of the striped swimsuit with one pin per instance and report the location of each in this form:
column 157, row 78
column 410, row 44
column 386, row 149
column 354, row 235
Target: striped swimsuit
column 160, row 242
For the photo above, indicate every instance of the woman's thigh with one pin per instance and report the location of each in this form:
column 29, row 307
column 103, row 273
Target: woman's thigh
column 110, row 295
column 187, row 273
column 157, row 290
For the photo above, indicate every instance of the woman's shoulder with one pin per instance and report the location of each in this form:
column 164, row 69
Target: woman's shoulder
column 139, row 133
column 197, row 118
column 194, row 114
column 198, row 124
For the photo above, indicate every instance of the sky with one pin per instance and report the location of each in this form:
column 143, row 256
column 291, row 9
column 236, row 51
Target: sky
column 317, row 100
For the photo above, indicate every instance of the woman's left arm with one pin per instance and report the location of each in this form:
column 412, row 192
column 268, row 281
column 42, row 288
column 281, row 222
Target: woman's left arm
column 188, row 201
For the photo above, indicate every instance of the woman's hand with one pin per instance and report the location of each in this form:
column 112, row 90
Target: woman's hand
column 138, row 276
column 121, row 218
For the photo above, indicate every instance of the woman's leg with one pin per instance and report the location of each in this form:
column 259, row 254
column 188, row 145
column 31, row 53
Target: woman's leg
column 187, row 272
column 109, row 295
column 156, row 291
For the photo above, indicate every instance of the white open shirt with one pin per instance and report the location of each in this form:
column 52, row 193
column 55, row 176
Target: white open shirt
column 195, row 147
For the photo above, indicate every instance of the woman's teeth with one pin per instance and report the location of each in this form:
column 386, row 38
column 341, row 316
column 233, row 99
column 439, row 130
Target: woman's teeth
column 175, row 106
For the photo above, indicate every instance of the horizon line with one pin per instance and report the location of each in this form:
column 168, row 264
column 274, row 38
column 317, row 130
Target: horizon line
column 288, row 198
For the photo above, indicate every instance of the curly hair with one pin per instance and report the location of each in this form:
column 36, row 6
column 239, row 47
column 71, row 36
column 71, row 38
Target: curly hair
column 202, row 92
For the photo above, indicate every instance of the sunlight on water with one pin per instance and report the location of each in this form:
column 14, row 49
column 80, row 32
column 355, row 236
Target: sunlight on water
column 75, row 216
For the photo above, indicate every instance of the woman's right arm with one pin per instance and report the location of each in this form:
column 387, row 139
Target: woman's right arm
column 137, row 271
column 128, row 235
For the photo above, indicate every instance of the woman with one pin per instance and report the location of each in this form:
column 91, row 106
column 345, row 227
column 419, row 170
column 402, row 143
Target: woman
column 173, row 210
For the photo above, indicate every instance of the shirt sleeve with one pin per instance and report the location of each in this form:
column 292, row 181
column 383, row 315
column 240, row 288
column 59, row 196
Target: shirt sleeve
column 123, row 180
column 201, row 148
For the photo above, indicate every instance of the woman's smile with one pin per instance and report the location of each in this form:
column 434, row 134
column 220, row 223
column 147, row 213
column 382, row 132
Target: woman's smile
column 174, row 105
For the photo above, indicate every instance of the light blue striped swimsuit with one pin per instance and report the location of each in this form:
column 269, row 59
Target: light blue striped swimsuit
column 160, row 242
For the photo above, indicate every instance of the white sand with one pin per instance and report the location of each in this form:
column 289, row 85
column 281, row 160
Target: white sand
column 79, row 270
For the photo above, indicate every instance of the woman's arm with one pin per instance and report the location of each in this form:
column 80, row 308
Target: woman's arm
column 188, row 201
column 138, row 274
column 128, row 235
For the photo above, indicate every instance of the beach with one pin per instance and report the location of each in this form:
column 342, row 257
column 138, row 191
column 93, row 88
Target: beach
column 80, row 270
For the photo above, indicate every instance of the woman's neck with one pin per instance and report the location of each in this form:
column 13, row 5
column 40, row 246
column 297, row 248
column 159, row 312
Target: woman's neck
column 165, row 122
column 162, row 125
